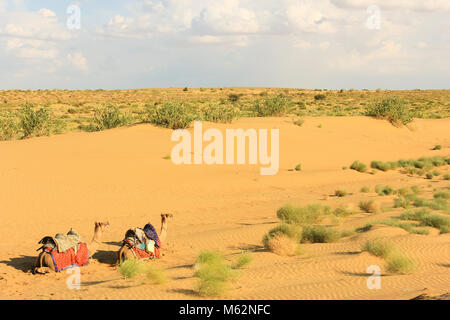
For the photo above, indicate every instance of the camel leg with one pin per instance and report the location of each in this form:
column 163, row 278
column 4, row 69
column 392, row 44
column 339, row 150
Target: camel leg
column 44, row 264
column 124, row 253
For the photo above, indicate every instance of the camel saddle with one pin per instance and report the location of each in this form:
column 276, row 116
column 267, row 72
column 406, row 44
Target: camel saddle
column 62, row 242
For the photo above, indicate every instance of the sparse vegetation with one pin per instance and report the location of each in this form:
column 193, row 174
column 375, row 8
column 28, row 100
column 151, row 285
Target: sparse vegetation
column 378, row 247
column 243, row 261
column 213, row 273
column 291, row 231
column 302, row 215
column 365, row 189
column 358, row 166
column 131, row 268
column 384, row 190
column 75, row 110
column 298, row 122
column 219, row 113
column 272, row 106
column 173, row 115
column 283, row 245
column 320, row 234
column 392, row 109
column 398, row 263
column 426, row 218
column 109, row 117
column 369, row 206
column 340, row 193
column 37, row 122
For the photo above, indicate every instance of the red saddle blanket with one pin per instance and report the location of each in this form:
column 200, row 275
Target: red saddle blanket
column 142, row 254
column 68, row 259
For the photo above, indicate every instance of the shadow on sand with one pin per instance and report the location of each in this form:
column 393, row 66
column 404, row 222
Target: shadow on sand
column 22, row 263
column 107, row 257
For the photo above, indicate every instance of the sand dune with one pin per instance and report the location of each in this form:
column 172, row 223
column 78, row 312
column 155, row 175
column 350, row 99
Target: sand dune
column 50, row 184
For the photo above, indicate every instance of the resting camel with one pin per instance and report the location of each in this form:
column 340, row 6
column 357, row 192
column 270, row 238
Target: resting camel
column 125, row 252
column 45, row 262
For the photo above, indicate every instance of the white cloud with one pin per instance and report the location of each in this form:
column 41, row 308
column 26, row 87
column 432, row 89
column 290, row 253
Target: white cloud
column 389, row 58
column 422, row 45
column 47, row 13
column 302, row 44
column 324, row 45
column 30, row 49
column 78, row 60
column 42, row 24
column 237, row 41
column 417, row 5
column 312, row 16
column 227, row 16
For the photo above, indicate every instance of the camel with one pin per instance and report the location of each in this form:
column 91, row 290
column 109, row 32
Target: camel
column 45, row 262
column 126, row 253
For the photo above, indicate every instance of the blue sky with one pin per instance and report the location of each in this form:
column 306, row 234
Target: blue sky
column 403, row 44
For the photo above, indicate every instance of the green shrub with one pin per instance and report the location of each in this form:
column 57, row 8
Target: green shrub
column 320, row 234
column 109, row 117
column 365, row 189
column 291, row 231
column 302, row 215
column 437, row 147
column 172, row 114
column 38, row 122
column 416, row 189
column 383, row 166
column 299, row 121
column 272, row 106
column 342, row 211
column 398, row 263
column 243, row 260
column 219, row 113
column 340, row 193
column 442, row 195
column 392, row 109
column 426, row 218
column 358, row 166
column 403, row 191
column 131, row 268
column 298, row 167
column 319, row 97
column 402, row 203
column 378, row 247
column 233, row 97
column 9, row 126
column 369, row 206
column 446, row 176
column 411, row 228
column 384, row 190
column 213, row 273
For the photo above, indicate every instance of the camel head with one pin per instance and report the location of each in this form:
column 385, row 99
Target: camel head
column 101, row 226
column 166, row 217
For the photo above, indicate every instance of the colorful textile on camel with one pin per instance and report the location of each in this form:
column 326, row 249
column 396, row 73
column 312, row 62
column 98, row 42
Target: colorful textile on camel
column 140, row 253
column 70, row 258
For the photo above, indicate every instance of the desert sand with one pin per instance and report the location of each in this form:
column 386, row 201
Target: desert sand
column 50, row 184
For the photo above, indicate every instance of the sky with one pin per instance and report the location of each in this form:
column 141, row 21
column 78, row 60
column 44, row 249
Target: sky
column 327, row 44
